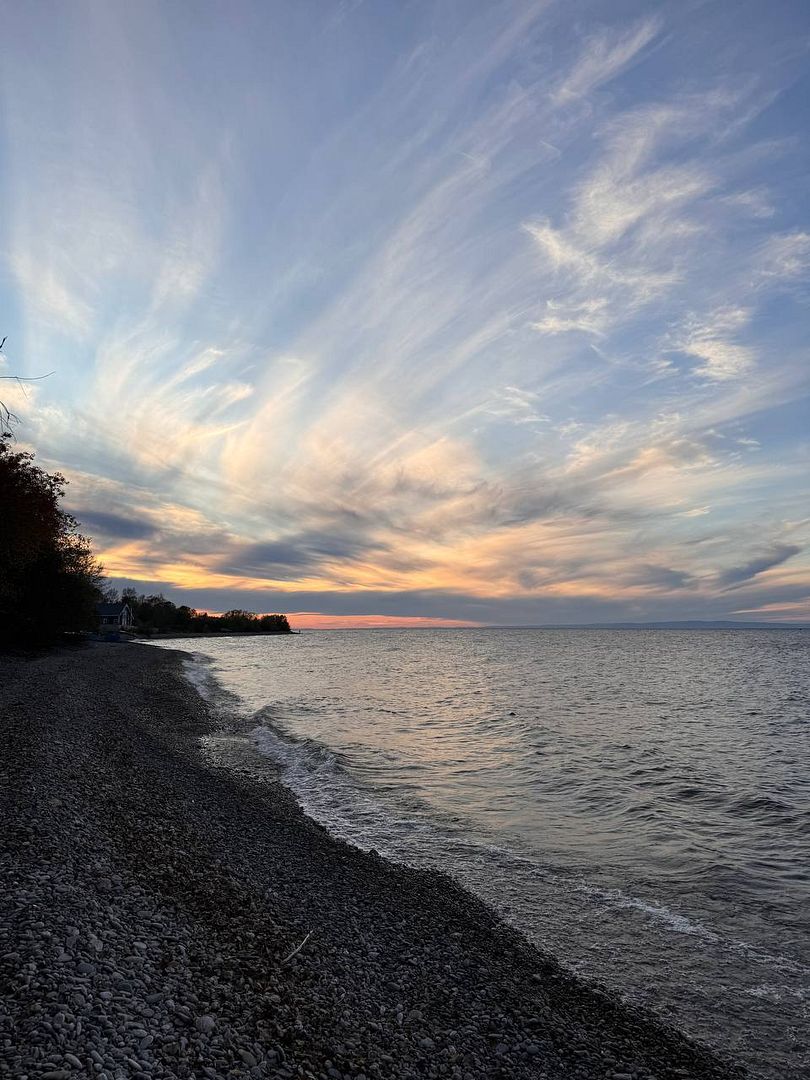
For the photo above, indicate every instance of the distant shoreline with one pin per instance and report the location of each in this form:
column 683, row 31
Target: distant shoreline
column 179, row 635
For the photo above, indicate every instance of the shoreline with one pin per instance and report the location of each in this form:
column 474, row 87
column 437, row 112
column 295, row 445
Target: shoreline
column 163, row 917
column 179, row 635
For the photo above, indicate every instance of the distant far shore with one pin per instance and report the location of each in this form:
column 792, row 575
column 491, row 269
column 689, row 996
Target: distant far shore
column 693, row 624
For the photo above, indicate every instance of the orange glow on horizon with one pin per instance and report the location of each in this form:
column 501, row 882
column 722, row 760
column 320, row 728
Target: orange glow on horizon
column 315, row 620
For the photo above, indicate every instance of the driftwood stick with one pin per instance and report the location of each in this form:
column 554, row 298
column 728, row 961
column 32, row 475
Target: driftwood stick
column 300, row 947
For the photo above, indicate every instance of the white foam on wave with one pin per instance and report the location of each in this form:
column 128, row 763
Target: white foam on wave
column 198, row 670
column 291, row 755
column 681, row 924
column 780, row 993
column 312, row 773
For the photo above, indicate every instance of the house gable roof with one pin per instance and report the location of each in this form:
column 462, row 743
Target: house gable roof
column 110, row 609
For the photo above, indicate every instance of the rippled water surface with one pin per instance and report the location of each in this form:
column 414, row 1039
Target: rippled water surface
column 638, row 802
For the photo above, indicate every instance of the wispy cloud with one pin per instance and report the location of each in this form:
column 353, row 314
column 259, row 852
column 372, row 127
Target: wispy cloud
column 605, row 55
column 587, row 316
column 766, row 560
column 713, row 343
column 476, row 314
column 51, row 298
column 785, row 256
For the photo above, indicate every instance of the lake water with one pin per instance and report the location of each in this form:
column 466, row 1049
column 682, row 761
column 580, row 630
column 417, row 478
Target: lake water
column 637, row 802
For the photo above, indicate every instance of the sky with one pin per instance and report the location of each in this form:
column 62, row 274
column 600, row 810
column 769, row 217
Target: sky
column 418, row 311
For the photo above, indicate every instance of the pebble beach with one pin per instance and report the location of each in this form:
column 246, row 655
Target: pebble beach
column 163, row 917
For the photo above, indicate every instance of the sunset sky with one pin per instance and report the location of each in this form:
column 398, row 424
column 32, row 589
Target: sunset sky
column 478, row 311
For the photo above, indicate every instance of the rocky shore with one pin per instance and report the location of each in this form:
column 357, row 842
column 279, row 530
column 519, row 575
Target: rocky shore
column 163, row 918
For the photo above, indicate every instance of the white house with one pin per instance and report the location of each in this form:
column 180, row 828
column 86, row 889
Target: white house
column 114, row 616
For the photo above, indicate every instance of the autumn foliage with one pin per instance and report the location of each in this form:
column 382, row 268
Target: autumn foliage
column 49, row 577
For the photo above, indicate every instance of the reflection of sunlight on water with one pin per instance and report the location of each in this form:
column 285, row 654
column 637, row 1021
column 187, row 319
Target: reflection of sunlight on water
column 619, row 795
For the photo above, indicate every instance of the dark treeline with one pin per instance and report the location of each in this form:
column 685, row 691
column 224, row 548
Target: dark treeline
column 156, row 614
column 50, row 581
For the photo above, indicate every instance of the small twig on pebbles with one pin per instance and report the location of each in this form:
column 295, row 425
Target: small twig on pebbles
column 300, row 947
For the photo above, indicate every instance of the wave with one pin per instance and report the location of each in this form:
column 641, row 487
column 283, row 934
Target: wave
column 199, row 670
column 327, row 791
column 768, row 808
column 681, row 924
column 778, row 994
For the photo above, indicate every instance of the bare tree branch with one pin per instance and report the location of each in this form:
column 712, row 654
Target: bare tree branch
column 7, row 418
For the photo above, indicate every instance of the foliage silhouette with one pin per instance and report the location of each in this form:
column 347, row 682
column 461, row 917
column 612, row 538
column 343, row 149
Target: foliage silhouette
column 49, row 578
column 156, row 614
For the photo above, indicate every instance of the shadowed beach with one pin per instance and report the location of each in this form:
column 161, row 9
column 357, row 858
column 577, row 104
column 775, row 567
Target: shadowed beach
column 161, row 917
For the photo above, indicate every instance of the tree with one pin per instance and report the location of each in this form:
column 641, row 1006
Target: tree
column 49, row 578
column 237, row 619
column 274, row 624
column 155, row 612
column 184, row 619
column 203, row 622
